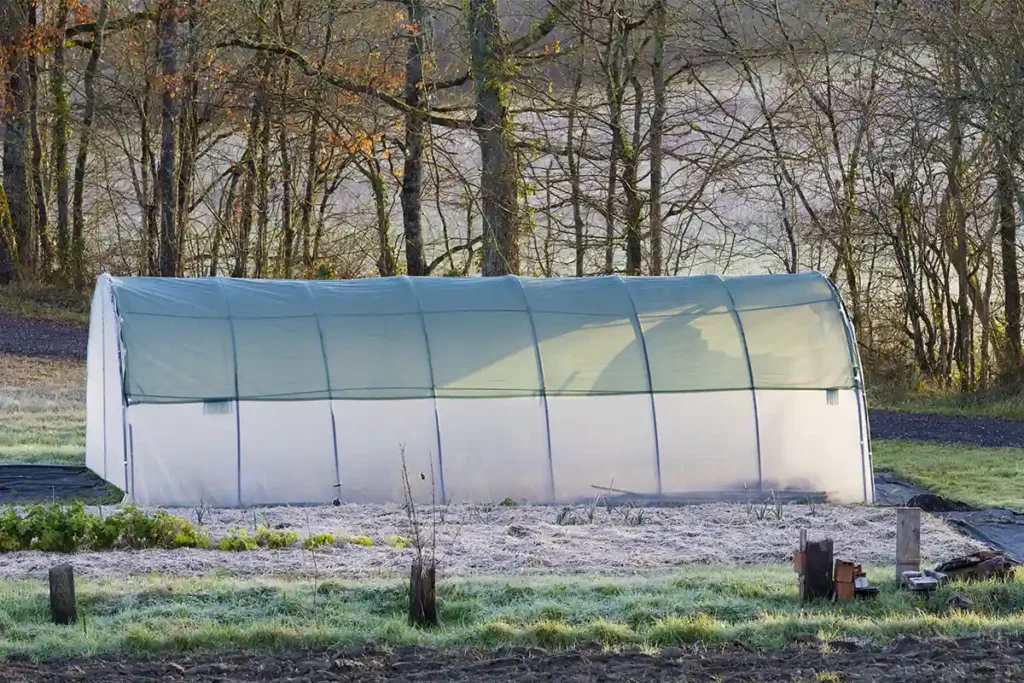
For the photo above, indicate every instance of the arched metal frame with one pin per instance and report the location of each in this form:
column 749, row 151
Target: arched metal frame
column 433, row 385
column 864, row 428
column 863, row 425
column 753, row 385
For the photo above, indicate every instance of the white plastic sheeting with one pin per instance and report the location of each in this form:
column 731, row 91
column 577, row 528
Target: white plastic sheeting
column 237, row 393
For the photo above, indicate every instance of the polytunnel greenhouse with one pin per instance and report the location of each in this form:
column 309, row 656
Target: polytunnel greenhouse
column 254, row 392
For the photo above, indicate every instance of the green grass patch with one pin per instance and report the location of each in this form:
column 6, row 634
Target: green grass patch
column 1007, row 404
column 985, row 477
column 46, row 302
column 53, row 437
column 757, row 606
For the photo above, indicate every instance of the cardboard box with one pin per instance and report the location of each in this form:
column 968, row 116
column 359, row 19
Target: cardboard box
column 845, row 572
column 845, row 590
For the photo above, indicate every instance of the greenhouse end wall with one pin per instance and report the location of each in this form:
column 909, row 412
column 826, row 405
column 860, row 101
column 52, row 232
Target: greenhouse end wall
column 242, row 392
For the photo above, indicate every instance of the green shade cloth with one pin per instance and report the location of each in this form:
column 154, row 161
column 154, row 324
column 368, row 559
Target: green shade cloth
column 209, row 339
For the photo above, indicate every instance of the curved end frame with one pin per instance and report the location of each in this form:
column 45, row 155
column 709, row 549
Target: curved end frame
column 864, row 425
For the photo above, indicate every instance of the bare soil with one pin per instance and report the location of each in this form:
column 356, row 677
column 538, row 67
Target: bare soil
column 909, row 660
column 496, row 540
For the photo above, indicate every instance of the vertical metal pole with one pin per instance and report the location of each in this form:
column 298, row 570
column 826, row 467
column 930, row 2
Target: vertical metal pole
column 750, row 374
column 639, row 332
column 121, row 360
column 330, row 394
column 543, row 385
column 238, row 402
column 103, row 370
column 433, row 384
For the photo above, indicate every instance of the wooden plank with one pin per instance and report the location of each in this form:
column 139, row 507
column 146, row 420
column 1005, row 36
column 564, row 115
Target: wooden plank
column 908, row 540
column 816, row 579
column 63, row 608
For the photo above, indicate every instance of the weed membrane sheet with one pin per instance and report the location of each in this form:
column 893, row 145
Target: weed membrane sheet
column 46, row 483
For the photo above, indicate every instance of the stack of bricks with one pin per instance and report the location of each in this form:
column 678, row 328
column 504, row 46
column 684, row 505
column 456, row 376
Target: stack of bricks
column 844, row 579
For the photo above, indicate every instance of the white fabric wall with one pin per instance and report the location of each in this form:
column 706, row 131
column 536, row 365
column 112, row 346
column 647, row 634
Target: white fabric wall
column 182, row 455
column 104, row 424
column 708, row 440
column 809, row 444
column 371, row 436
column 602, row 441
column 494, row 449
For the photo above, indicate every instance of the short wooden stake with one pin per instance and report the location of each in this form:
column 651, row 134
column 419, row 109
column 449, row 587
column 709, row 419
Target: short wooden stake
column 908, row 540
column 422, row 595
column 816, row 572
column 63, row 607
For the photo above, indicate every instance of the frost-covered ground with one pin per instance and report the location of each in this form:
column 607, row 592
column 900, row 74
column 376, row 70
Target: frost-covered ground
column 495, row 540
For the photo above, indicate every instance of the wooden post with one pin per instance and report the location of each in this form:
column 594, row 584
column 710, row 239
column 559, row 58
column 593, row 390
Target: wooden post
column 908, row 540
column 816, row 577
column 422, row 595
column 63, row 607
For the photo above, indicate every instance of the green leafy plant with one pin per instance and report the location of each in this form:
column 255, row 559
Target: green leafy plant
column 318, row 541
column 509, row 503
column 67, row 528
column 238, row 540
column 360, row 540
column 276, row 539
column 399, row 542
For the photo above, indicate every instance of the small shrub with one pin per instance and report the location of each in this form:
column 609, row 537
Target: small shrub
column 509, row 503
column 55, row 528
column 399, row 542
column 360, row 540
column 238, row 540
column 634, row 515
column 567, row 517
column 275, row 539
column 318, row 541
column 67, row 528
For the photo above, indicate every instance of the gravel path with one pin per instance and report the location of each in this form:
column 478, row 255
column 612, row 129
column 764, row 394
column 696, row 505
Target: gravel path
column 38, row 338
column 494, row 540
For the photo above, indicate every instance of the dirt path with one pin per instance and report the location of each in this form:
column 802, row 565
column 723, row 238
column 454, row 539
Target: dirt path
column 909, row 660
column 947, row 429
column 26, row 337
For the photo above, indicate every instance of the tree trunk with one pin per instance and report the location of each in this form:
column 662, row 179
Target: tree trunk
column 167, row 50
column 312, row 174
column 572, row 160
column 78, row 215
column 42, row 241
column 613, row 88
column 287, row 228
column 386, row 257
column 252, row 173
column 630, row 185
column 1008, row 241
column 263, row 198
column 412, row 172
column 147, row 173
column 498, row 182
column 657, row 135
column 59, row 146
column 189, row 135
column 14, row 20
column 959, row 220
